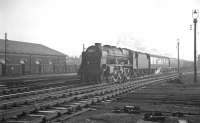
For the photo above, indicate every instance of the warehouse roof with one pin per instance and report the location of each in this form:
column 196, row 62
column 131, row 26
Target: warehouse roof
column 27, row 48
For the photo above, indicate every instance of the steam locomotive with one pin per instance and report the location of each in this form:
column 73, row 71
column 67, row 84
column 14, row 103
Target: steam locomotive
column 109, row 63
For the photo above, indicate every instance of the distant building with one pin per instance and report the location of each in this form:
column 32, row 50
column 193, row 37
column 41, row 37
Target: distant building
column 198, row 58
column 29, row 58
column 72, row 64
column 73, row 60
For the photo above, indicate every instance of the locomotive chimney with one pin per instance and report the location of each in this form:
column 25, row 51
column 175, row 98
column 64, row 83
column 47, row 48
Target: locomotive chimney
column 98, row 45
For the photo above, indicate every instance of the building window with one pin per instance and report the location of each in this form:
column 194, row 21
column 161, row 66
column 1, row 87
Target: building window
column 2, row 61
column 22, row 62
column 50, row 62
column 37, row 62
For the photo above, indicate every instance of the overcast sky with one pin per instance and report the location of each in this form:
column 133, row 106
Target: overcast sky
column 150, row 25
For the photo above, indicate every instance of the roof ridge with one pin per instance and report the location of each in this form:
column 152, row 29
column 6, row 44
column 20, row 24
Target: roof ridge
column 31, row 48
column 21, row 41
column 51, row 48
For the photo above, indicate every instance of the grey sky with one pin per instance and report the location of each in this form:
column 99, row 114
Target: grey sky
column 150, row 25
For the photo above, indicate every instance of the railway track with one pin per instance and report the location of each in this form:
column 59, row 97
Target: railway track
column 36, row 84
column 55, row 104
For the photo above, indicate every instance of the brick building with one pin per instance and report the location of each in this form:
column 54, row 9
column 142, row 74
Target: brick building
column 29, row 58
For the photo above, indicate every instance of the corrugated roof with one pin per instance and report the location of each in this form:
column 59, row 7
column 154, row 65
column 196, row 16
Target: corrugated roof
column 27, row 48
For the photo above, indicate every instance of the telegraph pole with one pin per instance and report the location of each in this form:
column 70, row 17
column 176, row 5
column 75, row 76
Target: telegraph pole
column 195, row 15
column 178, row 56
column 5, row 51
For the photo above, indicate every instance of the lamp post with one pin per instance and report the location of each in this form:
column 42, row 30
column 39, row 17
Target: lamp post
column 195, row 15
column 178, row 56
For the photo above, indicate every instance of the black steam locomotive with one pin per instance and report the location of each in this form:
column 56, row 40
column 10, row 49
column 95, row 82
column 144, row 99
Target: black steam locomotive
column 109, row 63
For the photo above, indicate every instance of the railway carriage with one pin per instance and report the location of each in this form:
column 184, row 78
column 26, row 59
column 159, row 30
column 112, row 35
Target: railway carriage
column 143, row 63
column 159, row 63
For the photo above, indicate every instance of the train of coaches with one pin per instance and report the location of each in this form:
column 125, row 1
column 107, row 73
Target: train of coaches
column 109, row 63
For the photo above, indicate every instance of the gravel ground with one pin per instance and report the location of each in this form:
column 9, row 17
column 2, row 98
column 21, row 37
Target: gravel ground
column 170, row 97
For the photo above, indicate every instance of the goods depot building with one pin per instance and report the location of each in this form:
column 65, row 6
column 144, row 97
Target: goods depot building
column 24, row 58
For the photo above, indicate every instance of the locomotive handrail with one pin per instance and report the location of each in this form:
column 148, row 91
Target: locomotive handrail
column 120, row 65
column 115, row 55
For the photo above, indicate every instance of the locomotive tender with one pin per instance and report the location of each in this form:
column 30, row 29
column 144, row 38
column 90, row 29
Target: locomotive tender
column 109, row 63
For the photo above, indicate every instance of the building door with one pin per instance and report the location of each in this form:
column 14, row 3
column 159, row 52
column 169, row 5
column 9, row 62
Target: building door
column 22, row 62
column 23, row 69
column 54, row 68
column 40, row 68
column 3, row 67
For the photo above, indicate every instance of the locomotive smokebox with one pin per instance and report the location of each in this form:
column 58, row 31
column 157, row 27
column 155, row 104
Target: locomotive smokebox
column 98, row 45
